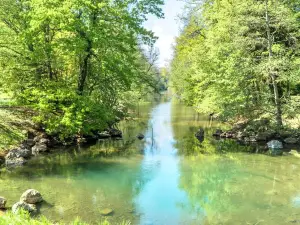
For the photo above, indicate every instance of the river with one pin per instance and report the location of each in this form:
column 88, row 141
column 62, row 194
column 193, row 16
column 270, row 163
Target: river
column 161, row 180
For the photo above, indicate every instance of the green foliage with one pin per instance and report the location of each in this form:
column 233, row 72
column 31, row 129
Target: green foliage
column 225, row 61
column 75, row 62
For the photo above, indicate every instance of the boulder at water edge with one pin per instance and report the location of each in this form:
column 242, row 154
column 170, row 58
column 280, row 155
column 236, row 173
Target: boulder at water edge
column 17, row 157
column 39, row 147
column 31, row 196
column 25, row 206
column 275, row 144
column 2, row 202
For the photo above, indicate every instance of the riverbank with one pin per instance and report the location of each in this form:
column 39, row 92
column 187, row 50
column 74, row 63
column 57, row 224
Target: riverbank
column 260, row 131
column 81, row 181
column 21, row 138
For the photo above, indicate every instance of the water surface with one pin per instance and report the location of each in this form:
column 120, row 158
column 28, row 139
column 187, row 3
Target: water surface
column 161, row 180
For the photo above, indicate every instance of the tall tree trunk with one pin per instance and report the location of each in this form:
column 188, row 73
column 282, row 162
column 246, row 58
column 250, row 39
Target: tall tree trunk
column 272, row 73
column 84, row 66
column 48, row 50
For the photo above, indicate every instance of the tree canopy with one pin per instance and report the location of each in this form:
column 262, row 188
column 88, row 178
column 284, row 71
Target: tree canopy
column 239, row 58
column 76, row 62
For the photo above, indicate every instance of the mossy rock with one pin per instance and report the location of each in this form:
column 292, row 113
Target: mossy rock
column 106, row 212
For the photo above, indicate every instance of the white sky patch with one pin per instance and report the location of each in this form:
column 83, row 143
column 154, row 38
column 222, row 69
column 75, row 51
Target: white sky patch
column 166, row 29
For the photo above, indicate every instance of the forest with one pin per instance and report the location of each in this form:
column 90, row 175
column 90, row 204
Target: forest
column 77, row 66
column 94, row 129
column 240, row 60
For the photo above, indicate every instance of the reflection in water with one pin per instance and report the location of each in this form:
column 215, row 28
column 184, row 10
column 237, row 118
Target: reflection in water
column 161, row 201
column 163, row 179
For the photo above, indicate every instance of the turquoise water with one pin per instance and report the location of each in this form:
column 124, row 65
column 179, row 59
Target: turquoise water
column 161, row 198
column 161, row 180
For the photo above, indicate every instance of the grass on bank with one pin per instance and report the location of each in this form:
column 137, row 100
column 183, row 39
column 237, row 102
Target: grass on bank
column 12, row 128
column 14, row 123
column 24, row 218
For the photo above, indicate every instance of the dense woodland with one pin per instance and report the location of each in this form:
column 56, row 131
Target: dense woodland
column 77, row 64
column 240, row 59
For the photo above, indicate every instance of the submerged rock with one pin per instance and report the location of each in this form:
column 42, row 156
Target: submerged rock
column 106, row 211
column 2, row 202
column 140, row 136
column 275, row 144
column 25, row 206
column 31, row 196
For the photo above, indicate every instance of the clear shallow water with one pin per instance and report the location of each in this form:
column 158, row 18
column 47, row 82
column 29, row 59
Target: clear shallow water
column 158, row 181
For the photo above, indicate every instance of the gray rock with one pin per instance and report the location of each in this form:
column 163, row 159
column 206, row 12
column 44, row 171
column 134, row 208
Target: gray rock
column 25, row 206
column 18, row 152
column 14, row 162
column 44, row 141
column 37, row 148
column 291, row 140
column 2, row 202
column 31, row 196
column 275, row 144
